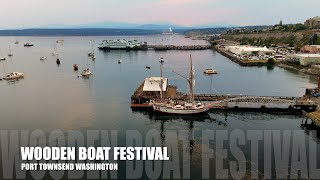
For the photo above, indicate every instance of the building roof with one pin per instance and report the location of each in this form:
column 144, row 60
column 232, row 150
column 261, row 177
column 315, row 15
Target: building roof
column 251, row 48
column 153, row 84
column 308, row 55
column 317, row 18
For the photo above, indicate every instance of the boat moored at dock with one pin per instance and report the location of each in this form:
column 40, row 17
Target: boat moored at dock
column 121, row 44
column 13, row 75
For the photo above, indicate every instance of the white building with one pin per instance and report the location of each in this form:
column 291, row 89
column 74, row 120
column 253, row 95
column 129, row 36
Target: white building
column 306, row 59
column 153, row 84
column 248, row 50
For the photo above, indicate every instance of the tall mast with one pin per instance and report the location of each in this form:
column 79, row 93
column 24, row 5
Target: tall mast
column 191, row 81
column 161, row 79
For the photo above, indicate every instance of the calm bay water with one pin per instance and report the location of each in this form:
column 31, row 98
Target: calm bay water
column 53, row 97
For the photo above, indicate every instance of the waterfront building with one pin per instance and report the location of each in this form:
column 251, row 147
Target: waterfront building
column 151, row 85
column 306, row 59
column 313, row 22
column 249, row 50
column 311, row 49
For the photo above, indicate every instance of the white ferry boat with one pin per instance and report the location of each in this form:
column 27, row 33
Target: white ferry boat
column 120, row 44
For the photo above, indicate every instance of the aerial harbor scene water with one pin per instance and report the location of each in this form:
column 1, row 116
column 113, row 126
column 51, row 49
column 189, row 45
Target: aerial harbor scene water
column 233, row 100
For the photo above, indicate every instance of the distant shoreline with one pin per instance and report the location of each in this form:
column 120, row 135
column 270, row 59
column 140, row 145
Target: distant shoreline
column 82, row 32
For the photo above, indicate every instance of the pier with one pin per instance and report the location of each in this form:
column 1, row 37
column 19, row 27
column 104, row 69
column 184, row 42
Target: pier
column 173, row 47
column 238, row 60
column 144, row 100
column 160, row 48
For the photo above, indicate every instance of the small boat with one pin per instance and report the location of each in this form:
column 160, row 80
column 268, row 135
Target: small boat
column 13, row 75
column 10, row 52
column 75, row 67
column 161, row 60
column 93, row 57
column 54, row 53
column 86, row 72
column 2, row 59
column 58, row 61
column 119, row 61
column 210, row 71
column 16, row 42
column 43, row 58
column 90, row 54
column 28, row 44
column 147, row 67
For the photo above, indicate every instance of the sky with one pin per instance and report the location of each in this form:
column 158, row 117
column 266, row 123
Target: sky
column 37, row 13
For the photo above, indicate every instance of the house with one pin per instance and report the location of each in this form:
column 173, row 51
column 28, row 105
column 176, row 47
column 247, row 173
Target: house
column 311, row 49
column 313, row 22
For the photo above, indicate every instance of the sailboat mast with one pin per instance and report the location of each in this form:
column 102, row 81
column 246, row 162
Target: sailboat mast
column 161, row 81
column 191, row 81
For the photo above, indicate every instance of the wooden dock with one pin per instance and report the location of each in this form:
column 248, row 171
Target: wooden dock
column 313, row 116
column 143, row 100
column 173, row 47
column 161, row 48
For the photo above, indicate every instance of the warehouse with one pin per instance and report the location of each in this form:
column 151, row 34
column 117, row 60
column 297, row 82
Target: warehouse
column 249, row 50
column 306, row 59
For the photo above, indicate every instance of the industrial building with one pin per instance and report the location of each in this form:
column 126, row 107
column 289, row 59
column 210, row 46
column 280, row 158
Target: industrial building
column 249, row 50
column 306, row 59
column 311, row 49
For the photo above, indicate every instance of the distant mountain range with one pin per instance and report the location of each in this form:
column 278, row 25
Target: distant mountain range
column 104, row 29
column 125, row 25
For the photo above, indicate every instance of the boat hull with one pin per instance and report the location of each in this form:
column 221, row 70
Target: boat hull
column 171, row 111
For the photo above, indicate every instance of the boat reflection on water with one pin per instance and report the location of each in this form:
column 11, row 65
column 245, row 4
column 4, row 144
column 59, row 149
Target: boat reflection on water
column 189, row 119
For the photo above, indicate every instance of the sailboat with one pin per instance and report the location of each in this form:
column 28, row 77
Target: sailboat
column 86, row 72
column 119, row 60
column 2, row 58
column 54, row 52
column 92, row 54
column 10, row 52
column 183, row 107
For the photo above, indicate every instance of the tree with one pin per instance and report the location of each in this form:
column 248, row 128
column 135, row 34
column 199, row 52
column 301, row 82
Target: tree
column 314, row 39
column 271, row 61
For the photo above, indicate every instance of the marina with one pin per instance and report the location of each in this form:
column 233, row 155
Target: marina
column 53, row 97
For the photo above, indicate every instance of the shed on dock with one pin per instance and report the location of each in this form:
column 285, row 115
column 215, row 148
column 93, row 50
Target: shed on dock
column 152, row 85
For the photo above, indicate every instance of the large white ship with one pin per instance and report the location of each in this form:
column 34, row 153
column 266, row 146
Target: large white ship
column 121, row 44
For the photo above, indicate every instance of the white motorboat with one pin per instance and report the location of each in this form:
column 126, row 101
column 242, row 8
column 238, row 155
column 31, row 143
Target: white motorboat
column 93, row 57
column 2, row 58
column 13, row 75
column 183, row 107
column 119, row 61
column 210, row 71
column 43, row 58
column 86, row 72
